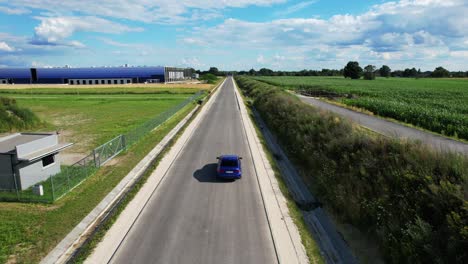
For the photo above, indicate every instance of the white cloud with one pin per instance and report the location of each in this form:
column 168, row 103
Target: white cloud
column 295, row 8
column 54, row 30
column 425, row 31
column 192, row 62
column 38, row 64
column 14, row 11
column 5, row 47
column 157, row 11
column 120, row 44
column 260, row 59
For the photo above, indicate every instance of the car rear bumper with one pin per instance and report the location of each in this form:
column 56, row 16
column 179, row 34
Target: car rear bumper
column 229, row 175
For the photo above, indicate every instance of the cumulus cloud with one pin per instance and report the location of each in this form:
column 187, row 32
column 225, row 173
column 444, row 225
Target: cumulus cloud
column 54, row 30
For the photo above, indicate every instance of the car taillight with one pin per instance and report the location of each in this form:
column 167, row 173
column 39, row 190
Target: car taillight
column 220, row 171
column 236, row 171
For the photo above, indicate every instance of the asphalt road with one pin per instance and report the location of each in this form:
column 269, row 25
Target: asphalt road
column 391, row 129
column 195, row 218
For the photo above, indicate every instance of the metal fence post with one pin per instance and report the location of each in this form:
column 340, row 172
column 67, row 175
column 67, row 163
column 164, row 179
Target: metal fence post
column 124, row 142
column 95, row 161
column 52, row 187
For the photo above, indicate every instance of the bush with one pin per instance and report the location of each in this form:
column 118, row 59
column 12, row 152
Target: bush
column 410, row 198
column 209, row 78
column 13, row 117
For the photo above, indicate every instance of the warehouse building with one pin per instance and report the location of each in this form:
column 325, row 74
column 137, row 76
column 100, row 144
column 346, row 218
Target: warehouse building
column 94, row 76
column 10, row 76
column 28, row 158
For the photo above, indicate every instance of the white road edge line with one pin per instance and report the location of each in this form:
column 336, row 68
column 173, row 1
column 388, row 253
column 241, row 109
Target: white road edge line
column 105, row 250
column 286, row 237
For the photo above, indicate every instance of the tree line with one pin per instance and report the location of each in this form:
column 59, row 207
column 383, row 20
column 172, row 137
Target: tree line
column 352, row 70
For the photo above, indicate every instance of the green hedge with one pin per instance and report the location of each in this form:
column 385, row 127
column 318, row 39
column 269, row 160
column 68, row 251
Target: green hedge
column 13, row 117
column 410, row 198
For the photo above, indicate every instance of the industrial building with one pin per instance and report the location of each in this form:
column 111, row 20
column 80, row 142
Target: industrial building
column 28, row 158
column 94, row 76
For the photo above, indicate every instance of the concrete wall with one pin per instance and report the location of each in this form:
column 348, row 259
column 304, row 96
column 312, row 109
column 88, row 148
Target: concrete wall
column 32, row 173
column 31, row 147
column 6, row 173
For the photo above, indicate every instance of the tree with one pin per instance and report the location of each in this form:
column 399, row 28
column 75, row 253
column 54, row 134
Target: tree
column 369, row 72
column 252, row 72
column 385, row 71
column 265, row 72
column 440, row 72
column 214, row 71
column 352, row 70
column 410, row 72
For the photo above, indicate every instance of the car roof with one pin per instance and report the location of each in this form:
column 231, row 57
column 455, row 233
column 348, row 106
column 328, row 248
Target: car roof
column 230, row 157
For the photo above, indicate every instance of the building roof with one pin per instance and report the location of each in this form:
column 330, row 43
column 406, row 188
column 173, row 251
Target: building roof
column 9, row 143
column 45, row 152
column 101, row 72
column 19, row 73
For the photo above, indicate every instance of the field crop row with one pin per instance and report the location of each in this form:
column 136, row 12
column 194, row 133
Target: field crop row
column 439, row 105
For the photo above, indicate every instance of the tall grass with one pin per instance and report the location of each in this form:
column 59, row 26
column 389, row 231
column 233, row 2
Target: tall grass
column 409, row 197
column 13, row 117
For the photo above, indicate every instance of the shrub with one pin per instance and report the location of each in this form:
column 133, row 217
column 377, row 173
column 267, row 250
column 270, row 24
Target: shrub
column 409, row 197
column 13, row 117
column 209, row 78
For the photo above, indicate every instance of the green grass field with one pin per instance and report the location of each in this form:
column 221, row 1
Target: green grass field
column 77, row 90
column 438, row 105
column 91, row 119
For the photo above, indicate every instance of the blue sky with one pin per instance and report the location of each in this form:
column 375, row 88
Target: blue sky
column 235, row 35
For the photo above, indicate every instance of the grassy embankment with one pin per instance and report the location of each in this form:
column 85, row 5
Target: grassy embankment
column 310, row 245
column 29, row 231
column 438, row 105
column 14, row 118
column 411, row 199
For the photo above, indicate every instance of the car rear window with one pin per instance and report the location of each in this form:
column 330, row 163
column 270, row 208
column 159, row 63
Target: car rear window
column 229, row 163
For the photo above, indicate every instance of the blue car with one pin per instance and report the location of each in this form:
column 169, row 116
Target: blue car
column 229, row 167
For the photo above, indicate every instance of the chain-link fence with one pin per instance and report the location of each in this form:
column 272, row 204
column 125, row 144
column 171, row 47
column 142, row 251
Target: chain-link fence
column 69, row 177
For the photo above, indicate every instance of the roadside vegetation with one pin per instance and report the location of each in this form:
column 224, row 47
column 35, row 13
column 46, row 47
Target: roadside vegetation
column 411, row 199
column 15, row 118
column 310, row 245
column 209, row 78
column 438, row 105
